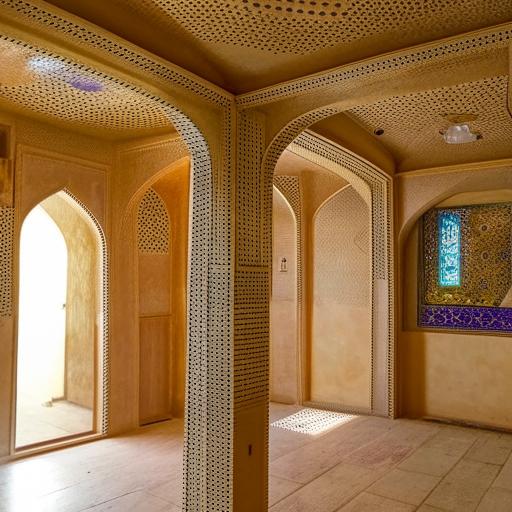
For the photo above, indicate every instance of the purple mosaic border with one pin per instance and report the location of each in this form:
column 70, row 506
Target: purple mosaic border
column 471, row 318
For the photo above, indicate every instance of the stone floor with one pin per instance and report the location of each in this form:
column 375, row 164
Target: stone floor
column 366, row 464
column 36, row 423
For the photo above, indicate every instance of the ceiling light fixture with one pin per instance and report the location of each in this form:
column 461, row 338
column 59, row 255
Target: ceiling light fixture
column 460, row 134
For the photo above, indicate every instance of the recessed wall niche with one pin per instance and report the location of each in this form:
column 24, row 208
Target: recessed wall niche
column 466, row 268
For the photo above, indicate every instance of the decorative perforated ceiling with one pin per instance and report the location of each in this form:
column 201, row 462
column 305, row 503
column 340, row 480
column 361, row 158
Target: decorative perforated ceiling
column 243, row 45
column 65, row 91
column 412, row 124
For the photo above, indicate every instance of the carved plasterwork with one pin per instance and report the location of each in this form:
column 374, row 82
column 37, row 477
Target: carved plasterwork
column 305, row 26
column 243, row 45
column 65, row 91
column 418, row 67
column 210, row 375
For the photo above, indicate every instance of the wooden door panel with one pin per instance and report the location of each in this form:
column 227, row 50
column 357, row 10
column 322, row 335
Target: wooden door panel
column 155, row 359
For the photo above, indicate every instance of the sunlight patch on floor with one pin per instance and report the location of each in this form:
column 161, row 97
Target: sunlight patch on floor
column 313, row 421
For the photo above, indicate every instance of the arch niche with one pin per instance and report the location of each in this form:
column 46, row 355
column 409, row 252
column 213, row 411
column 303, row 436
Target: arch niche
column 155, row 232
column 375, row 187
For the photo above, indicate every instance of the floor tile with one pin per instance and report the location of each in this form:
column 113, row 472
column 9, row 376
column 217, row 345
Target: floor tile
column 308, row 462
column 496, row 500
column 431, row 461
column 329, row 491
column 279, row 488
column 133, row 502
column 367, row 502
column 463, row 488
column 492, row 448
column 405, row 486
column 504, row 478
column 452, row 442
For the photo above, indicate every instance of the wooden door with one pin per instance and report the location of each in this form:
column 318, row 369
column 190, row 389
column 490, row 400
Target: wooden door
column 155, row 361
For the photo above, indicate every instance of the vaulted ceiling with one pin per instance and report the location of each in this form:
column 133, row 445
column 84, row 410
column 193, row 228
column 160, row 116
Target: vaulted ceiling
column 244, row 45
column 37, row 82
column 412, row 125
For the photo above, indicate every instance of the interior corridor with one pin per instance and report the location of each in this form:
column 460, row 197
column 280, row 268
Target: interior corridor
column 364, row 464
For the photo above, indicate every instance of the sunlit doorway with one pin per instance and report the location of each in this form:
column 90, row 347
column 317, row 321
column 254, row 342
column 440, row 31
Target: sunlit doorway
column 58, row 325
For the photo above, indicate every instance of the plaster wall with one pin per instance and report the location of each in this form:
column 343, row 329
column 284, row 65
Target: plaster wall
column 341, row 327
column 46, row 159
column 162, row 306
column 283, row 306
column 336, row 280
column 143, row 164
column 174, row 190
column 448, row 374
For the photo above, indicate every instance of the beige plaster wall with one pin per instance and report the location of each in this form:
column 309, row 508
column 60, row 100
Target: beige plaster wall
column 81, row 302
column 46, row 159
column 163, row 306
column 141, row 164
column 283, row 305
column 341, row 327
column 447, row 374
column 174, row 190
column 337, row 319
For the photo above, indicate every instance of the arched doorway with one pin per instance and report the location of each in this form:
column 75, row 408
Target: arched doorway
column 61, row 335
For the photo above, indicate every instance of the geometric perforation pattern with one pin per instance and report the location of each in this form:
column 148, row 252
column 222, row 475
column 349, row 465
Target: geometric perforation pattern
column 347, row 77
column 249, row 207
column 59, row 88
column 207, row 447
column 152, row 224
column 44, row 17
column 103, row 275
column 6, row 260
column 290, row 187
column 412, row 123
column 251, row 337
column 304, row 26
column 342, row 250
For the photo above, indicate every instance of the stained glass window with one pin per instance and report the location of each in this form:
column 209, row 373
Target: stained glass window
column 449, row 249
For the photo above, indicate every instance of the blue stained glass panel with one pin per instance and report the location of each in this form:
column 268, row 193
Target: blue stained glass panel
column 449, row 249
